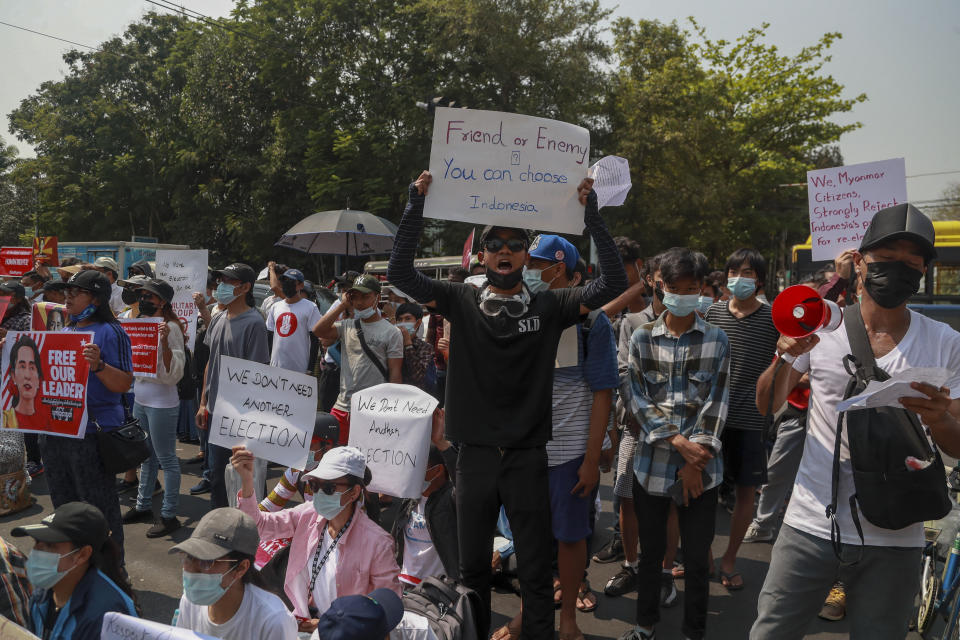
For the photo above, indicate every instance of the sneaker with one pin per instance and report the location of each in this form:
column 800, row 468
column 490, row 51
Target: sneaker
column 756, row 534
column 623, row 582
column 610, row 552
column 123, row 486
column 136, row 515
column 835, row 606
column 635, row 634
column 668, row 591
column 162, row 527
column 201, row 487
column 33, row 469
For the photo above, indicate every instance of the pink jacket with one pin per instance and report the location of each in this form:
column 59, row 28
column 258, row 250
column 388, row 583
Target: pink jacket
column 366, row 557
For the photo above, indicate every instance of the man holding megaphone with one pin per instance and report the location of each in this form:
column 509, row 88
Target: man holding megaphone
column 877, row 563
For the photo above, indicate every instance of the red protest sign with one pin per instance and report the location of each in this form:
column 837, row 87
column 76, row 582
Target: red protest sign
column 48, row 316
column 145, row 343
column 45, row 391
column 468, row 250
column 45, row 250
column 15, row 261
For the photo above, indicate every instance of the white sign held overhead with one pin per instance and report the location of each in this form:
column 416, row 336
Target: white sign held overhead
column 269, row 410
column 611, row 180
column 186, row 272
column 509, row 169
column 390, row 424
column 843, row 201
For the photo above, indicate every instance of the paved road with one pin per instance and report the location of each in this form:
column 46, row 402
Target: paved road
column 157, row 579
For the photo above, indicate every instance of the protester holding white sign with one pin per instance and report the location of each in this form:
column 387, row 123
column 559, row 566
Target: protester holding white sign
column 390, row 424
column 186, row 272
column 503, row 350
column 507, row 168
column 265, row 409
column 843, row 201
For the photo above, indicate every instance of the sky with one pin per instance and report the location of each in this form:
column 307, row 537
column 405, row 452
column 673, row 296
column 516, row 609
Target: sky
column 903, row 55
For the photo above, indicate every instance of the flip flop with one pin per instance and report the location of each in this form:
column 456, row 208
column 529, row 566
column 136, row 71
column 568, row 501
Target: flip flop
column 557, row 589
column 582, row 594
column 726, row 579
column 505, row 633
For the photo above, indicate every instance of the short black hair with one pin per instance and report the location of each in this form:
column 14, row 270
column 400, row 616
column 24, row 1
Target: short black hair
column 756, row 260
column 581, row 268
column 457, row 274
column 629, row 249
column 409, row 307
column 681, row 262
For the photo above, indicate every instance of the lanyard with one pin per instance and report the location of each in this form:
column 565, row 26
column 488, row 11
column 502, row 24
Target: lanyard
column 318, row 562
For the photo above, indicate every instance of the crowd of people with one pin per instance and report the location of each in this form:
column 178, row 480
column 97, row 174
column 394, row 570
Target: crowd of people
column 661, row 370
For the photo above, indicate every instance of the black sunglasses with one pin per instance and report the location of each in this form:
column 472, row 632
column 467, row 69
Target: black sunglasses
column 329, row 487
column 513, row 244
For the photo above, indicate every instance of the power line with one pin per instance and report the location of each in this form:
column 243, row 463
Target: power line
column 935, row 173
column 47, row 35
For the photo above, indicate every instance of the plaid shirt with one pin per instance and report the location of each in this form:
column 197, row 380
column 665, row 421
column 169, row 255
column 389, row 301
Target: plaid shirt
column 676, row 385
column 417, row 357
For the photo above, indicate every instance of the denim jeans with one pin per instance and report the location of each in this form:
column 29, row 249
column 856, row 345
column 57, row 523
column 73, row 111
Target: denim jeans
column 161, row 425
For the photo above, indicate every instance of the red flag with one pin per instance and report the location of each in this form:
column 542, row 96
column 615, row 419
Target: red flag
column 468, row 250
column 45, row 250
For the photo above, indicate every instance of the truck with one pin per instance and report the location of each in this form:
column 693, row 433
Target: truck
column 125, row 253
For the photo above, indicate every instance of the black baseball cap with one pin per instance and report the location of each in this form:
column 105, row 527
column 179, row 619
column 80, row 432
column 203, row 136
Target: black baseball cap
column 77, row 522
column 13, row 289
column 159, row 287
column 92, row 281
column 238, row 271
column 901, row 222
column 54, row 285
column 523, row 234
column 326, row 427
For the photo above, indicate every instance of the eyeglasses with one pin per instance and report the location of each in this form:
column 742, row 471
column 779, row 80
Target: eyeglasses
column 513, row 244
column 329, row 487
column 189, row 562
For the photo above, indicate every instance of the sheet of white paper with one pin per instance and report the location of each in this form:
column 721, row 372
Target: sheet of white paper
column 611, row 176
column 889, row 392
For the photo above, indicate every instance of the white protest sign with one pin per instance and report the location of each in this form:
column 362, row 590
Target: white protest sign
column 186, row 272
column 843, row 201
column 10, row 630
column 117, row 626
column 269, row 410
column 508, row 169
column 611, row 180
column 390, row 424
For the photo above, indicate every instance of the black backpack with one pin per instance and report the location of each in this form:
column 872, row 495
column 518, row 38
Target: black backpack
column 890, row 495
column 449, row 607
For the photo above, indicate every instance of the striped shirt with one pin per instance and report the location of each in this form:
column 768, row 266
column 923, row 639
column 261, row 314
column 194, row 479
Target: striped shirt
column 573, row 389
column 676, row 385
column 286, row 488
column 752, row 340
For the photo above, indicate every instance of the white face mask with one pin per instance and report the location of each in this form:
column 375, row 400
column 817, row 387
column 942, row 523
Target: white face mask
column 363, row 314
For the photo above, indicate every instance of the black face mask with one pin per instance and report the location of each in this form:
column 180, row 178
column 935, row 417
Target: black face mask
column 289, row 288
column 128, row 296
column 890, row 284
column 147, row 308
column 504, row 281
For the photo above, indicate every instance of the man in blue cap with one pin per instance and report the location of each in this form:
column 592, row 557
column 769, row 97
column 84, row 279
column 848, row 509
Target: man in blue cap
column 290, row 320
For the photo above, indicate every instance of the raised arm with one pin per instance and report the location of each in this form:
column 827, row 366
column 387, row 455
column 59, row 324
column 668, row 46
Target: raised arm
column 400, row 271
column 613, row 279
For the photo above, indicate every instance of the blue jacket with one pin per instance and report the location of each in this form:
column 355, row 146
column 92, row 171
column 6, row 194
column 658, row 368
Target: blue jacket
column 82, row 616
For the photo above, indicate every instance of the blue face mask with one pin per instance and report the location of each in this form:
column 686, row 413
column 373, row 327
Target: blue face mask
column 681, row 305
column 42, row 568
column 533, row 278
column 363, row 314
column 705, row 302
column 741, row 287
column 328, row 507
column 83, row 315
column 225, row 293
column 406, row 326
column 204, row 589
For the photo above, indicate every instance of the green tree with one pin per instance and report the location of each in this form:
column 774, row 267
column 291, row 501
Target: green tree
column 949, row 208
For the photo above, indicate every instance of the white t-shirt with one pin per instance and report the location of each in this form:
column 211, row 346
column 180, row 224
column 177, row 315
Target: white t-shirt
column 420, row 558
column 261, row 616
column 927, row 343
column 325, row 589
column 291, row 325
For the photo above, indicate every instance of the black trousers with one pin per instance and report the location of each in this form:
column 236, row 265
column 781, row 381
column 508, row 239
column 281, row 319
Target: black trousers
column 696, row 534
column 217, row 458
column 516, row 478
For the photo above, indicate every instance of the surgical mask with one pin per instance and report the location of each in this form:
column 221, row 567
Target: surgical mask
column 890, row 284
column 741, row 287
column 328, row 507
column 533, row 278
column 406, row 326
column 147, row 308
column 289, row 287
column 83, row 315
column 204, row 589
column 225, row 293
column 363, row 314
column 705, row 303
column 504, row 281
column 42, row 568
column 681, row 305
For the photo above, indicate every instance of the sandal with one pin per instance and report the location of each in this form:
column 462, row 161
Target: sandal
column 557, row 593
column 506, row 633
column 583, row 604
column 726, row 579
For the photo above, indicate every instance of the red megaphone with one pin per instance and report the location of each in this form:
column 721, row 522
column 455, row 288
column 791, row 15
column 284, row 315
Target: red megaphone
column 799, row 311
